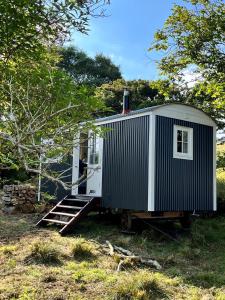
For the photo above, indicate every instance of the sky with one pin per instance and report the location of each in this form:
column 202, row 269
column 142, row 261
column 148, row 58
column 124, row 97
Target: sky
column 126, row 34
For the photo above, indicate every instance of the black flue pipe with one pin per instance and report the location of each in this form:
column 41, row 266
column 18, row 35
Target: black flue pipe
column 126, row 102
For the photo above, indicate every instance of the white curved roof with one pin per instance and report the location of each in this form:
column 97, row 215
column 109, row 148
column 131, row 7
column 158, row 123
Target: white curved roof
column 170, row 110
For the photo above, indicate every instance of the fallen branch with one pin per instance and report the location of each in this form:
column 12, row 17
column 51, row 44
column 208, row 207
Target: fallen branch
column 111, row 249
column 126, row 254
column 123, row 251
column 119, row 265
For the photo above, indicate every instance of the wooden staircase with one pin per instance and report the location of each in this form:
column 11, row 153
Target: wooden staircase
column 69, row 212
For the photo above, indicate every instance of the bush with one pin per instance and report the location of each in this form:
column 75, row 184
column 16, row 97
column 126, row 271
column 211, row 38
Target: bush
column 44, row 253
column 82, row 249
column 221, row 184
column 220, row 161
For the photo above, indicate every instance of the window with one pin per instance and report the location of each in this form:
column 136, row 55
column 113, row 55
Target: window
column 94, row 151
column 183, row 142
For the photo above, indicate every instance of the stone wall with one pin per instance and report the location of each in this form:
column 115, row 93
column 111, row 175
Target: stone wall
column 18, row 198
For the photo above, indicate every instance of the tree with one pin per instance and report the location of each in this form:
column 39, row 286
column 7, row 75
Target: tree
column 41, row 102
column 193, row 36
column 143, row 93
column 29, row 25
column 86, row 70
column 38, row 99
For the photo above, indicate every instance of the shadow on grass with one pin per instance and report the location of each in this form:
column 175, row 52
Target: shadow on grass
column 13, row 227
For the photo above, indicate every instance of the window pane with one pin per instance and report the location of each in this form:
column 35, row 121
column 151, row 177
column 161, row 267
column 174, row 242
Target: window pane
column 185, row 147
column 91, row 159
column 94, row 151
column 185, row 136
column 179, row 147
column 179, row 135
column 96, row 158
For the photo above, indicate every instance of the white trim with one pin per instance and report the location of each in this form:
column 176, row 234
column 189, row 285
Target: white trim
column 175, row 111
column 185, row 113
column 214, row 170
column 151, row 164
column 182, row 155
column 123, row 118
column 75, row 166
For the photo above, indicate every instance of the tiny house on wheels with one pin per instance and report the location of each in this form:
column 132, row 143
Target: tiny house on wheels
column 157, row 162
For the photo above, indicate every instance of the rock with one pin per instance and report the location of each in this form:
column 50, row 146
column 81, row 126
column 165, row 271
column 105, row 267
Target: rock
column 9, row 209
column 27, row 208
column 6, row 199
column 18, row 198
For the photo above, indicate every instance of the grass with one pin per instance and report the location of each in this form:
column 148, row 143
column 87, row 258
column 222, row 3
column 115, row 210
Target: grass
column 44, row 253
column 82, row 249
column 40, row 264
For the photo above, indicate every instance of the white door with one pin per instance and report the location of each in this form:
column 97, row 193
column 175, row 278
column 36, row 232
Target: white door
column 75, row 168
column 94, row 167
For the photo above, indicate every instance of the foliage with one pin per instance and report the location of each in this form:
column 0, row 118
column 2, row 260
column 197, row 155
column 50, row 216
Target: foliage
column 40, row 102
column 86, row 70
column 150, row 93
column 221, row 156
column 221, row 184
column 193, row 37
column 38, row 99
column 221, row 160
column 143, row 94
column 29, row 25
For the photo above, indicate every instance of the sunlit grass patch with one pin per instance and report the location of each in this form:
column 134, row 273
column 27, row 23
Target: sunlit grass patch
column 139, row 285
column 45, row 253
column 90, row 275
column 82, row 249
column 7, row 249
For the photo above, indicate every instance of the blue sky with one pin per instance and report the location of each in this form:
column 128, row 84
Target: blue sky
column 126, row 34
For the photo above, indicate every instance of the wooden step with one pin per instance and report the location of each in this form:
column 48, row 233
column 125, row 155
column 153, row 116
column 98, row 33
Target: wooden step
column 69, row 206
column 84, row 197
column 55, row 221
column 83, row 212
column 62, row 214
column 75, row 215
column 76, row 199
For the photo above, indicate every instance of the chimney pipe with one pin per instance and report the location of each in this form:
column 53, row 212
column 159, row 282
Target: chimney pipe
column 126, row 102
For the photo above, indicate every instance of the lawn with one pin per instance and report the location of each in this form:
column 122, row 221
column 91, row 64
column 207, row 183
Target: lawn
column 38, row 263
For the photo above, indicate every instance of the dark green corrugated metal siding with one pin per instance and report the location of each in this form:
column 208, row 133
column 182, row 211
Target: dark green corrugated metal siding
column 125, row 164
column 183, row 184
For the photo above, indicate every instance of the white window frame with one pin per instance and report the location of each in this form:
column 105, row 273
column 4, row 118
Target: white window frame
column 181, row 155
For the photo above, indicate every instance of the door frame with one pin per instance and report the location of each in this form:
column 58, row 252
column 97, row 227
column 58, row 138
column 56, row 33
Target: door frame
column 96, row 168
column 94, row 177
column 75, row 164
